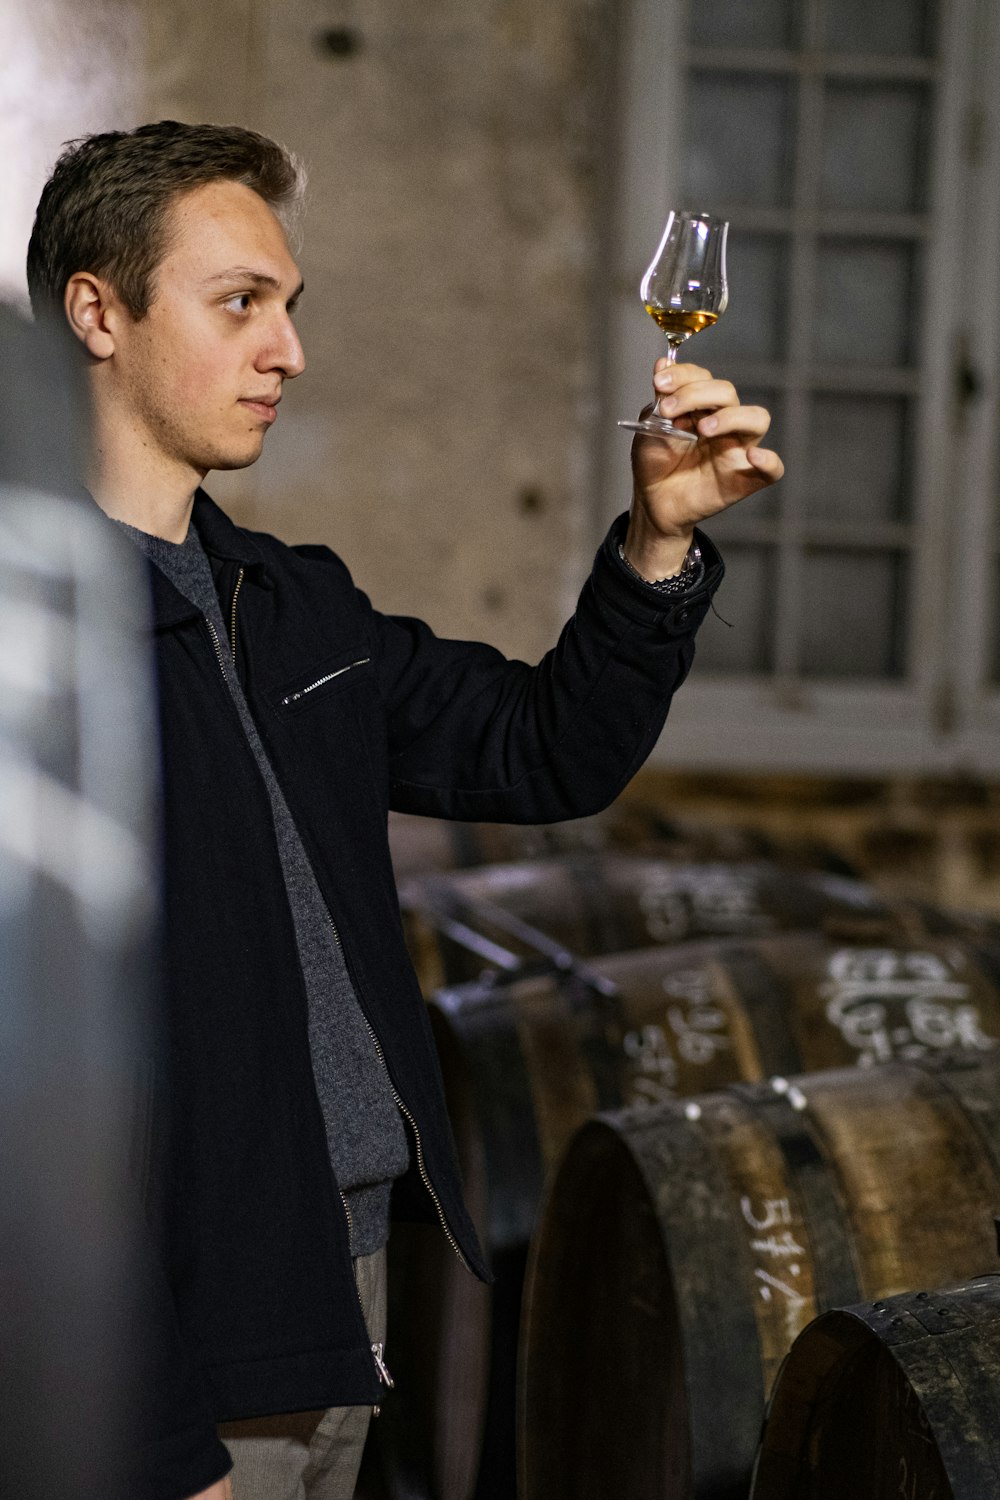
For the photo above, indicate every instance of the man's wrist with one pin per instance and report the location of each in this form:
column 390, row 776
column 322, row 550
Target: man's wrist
column 690, row 572
column 651, row 552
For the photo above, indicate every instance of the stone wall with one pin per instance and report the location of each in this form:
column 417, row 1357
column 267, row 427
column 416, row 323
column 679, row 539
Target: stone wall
column 441, row 434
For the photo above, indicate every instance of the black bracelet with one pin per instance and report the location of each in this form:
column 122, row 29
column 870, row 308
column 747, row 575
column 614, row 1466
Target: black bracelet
column 691, row 572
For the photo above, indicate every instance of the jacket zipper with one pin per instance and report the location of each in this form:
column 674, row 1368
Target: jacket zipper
column 320, row 681
column 350, row 1221
column 215, row 634
column 218, row 646
column 232, row 627
column 378, row 1349
column 421, row 1165
column 407, row 1116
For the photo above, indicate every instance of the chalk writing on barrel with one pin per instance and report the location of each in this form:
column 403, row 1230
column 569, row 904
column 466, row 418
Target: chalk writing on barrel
column 694, row 1030
column 888, row 1004
column 706, row 899
column 777, row 1246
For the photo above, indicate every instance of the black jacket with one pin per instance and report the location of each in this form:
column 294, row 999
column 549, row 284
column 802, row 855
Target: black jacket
column 358, row 712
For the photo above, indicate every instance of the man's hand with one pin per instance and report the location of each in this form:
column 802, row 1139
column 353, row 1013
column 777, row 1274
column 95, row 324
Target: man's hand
column 222, row 1490
column 676, row 484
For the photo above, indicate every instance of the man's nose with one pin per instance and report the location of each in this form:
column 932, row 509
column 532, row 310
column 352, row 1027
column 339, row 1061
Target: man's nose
column 283, row 351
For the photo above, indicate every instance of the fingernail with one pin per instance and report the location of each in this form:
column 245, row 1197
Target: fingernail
column 670, row 404
column 710, row 424
column 664, row 380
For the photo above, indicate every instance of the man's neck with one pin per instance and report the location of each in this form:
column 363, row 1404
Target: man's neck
column 131, row 483
column 159, row 515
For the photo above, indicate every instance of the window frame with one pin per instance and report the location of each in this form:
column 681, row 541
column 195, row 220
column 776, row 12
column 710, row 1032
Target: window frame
column 942, row 715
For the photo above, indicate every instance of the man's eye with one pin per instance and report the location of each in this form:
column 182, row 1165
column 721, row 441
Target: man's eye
column 240, row 303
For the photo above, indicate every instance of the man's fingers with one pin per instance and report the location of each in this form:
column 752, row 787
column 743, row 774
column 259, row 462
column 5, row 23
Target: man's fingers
column 678, row 375
column 766, row 462
column 751, row 422
column 698, row 395
column 750, row 459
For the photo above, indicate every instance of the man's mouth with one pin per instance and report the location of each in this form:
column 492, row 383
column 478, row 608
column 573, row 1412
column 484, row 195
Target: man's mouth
column 265, row 407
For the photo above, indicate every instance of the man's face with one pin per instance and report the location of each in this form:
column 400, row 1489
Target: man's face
column 201, row 374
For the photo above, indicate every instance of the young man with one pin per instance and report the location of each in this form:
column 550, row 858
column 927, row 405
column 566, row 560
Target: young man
column 301, row 1087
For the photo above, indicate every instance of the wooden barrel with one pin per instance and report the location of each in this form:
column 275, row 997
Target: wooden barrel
column 527, row 1059
column 539, row 1053
column 896, row 1398
column 422, row 844
column 460, row 923
column 683, row 1248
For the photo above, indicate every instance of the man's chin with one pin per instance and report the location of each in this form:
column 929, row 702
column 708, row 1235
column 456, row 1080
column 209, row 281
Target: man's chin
column 237, row 460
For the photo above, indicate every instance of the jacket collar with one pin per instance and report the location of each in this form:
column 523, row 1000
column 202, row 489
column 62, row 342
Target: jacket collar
column 220, row 538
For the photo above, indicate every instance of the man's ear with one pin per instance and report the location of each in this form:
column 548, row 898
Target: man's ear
column 88, row 302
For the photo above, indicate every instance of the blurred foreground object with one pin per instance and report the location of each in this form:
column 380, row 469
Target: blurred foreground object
column 76, row 920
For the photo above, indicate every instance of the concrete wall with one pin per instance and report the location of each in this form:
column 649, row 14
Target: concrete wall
column 440, row 437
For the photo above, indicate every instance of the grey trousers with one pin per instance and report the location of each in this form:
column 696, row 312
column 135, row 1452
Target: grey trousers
column 309, row 1455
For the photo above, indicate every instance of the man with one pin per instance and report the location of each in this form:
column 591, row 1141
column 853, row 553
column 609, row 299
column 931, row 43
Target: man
column 302, row 1090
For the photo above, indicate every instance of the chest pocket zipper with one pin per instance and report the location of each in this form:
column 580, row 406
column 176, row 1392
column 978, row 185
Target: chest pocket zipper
column 322, row 681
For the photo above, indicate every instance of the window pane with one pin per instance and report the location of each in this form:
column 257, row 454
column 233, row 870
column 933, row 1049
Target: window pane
column 852, row 623
column 746, row 601
column 864, row 303
column 875, row 147
column 738, row 23
column 880, row 26
column 754, row 323
column 724, row 109
column 856, row 459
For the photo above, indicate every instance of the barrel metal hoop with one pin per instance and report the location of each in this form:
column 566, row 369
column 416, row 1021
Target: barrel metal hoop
column 768, row 1002
column 827, row 1222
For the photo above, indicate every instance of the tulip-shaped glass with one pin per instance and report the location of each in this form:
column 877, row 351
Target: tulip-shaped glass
column 684, row 291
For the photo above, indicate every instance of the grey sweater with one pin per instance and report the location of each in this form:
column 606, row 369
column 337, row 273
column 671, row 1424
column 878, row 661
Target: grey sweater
column 366, row 1137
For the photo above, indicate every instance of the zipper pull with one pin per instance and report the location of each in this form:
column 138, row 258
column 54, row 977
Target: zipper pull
column 383, row 1372
column 380, row 1365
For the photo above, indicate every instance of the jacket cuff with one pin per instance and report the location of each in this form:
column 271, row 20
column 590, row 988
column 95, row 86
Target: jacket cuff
column 675, row 614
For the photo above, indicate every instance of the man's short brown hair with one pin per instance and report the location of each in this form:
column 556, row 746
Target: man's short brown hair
column 104, row 208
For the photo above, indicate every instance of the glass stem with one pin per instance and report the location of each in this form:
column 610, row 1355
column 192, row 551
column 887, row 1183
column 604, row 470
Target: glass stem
column 671, row 358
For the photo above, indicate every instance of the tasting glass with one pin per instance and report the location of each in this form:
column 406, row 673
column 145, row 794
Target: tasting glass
column 684, row 291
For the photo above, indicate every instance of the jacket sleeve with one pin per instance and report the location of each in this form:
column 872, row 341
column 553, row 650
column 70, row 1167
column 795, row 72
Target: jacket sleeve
column 477, row 737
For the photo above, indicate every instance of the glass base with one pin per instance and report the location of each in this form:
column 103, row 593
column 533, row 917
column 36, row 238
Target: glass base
column 660, row 427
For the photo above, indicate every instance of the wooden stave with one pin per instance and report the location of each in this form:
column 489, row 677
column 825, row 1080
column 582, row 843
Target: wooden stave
column 462, row 923
column 944, row 1350
column 722, row 1453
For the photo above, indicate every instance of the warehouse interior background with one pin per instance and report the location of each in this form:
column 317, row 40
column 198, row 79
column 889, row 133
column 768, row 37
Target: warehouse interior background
column 488, row 179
